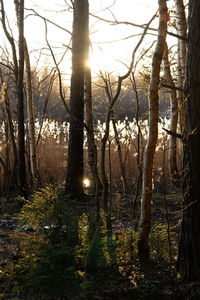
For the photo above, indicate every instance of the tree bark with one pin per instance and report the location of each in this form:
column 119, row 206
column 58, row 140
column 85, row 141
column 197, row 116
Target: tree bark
column 31, row 123
column 75, row 169
column 19, row 75
column 145, row 219
column 189, row 246
column 119, row 151
column 9, row 119
column 181, row 25
column 20, row 95
column 92, row 149
column 174, row 116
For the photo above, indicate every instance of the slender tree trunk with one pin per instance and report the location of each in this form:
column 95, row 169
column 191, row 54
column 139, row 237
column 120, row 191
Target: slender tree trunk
column 92, row 151
column 180, row 93
column 189, row 247
column 20, row 95
column 9, row 119
column 145, row 220
column 119, row 151
column 112, row 100
column 174, row 116
column 75, row 169
column 139, row 143
column 31, row 123
column 103, row 171
column 181, row 25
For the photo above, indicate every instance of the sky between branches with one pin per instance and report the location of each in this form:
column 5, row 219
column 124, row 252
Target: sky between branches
column 108, row 52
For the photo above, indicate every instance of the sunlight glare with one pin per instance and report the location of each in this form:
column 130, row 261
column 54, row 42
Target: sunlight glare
column 89, row 63
column 86, row 182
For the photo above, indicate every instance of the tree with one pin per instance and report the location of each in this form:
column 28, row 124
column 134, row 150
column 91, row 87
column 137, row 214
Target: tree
column 11, row 171
column 74, row 180
column 30, row 113
column 181, row 25
column 174, row 115
column 108, row 85
column 109, row 115
column 19, row 76
column 145, row 219
column 20, row 95
column 189, row 246
column 92, row 148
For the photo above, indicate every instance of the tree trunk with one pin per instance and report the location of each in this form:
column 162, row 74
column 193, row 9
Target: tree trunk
column 145, row 219
column 92, row 151
column 112, row 101
column 20, row 96
column 189, row 247
column 119, row 151
column 180, row 93
column 9, row 119
column 181, row 25
column 174, row 116
column 75, row 169
column 31, row 123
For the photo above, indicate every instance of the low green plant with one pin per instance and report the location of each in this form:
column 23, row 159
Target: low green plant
column 159, row 242
column 47, row 234
column 66, row 253
column 126, row 245
column 127, row 240
column 63, row 254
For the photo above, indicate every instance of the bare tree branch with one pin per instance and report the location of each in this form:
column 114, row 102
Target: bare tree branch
column 58, row 70
column 171, row 87
column 123, row 39
column 47, row 20
column 10, row 38
column 6, row 66
column 116, row 22
column 177, row 135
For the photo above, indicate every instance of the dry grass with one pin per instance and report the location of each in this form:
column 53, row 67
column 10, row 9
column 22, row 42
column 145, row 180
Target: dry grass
column 53, row 148
column 52, row 158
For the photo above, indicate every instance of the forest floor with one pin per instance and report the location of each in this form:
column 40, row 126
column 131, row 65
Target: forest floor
column 156, row 279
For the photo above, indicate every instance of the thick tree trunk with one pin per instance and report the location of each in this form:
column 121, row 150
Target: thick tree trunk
column 189, row 247
column 174, row 116
column 74, row 180
column 31, row 123
column 181, row 25
column 145, row 219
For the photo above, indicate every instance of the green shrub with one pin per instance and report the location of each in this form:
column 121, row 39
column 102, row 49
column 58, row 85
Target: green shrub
column 127, row 241
column 159, row 243
column 48, row 237
column 64, row 255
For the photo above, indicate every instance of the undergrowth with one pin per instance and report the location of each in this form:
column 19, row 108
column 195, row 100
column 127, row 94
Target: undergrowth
column 68, row 254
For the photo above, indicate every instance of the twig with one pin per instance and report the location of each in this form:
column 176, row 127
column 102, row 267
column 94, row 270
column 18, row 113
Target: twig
column 115, row 22
column 58, row 70
column 47, row 20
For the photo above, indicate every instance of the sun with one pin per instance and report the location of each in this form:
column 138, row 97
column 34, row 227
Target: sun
column 101, row 61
